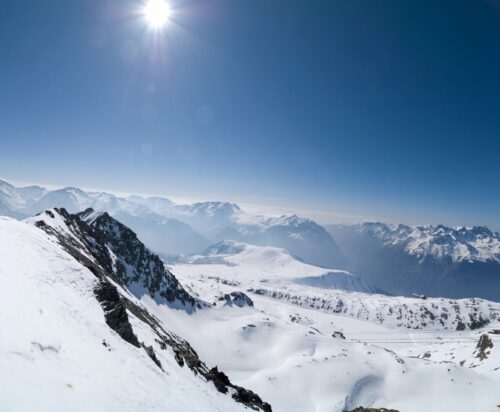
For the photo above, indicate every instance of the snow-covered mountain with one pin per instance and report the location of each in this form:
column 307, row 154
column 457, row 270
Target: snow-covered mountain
column 172, row 229
column 116, row 248
column 167, row 235
column 455, row 244
column 13, row 201
column 75, row 335
column 257, row 265
column 301, row 237
column 431, row 260
column 272, row 272
column 308, row 347
column 209, row 218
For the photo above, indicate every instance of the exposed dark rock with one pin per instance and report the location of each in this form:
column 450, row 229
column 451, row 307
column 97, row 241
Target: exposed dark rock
column 338, row 334
column 477, row 322
column 220, row 379
column 115, row 312
column 250, row 399
column 483, row 347
column 237, row 299
column 134, row 263
column 98, row 240
column 151, row 353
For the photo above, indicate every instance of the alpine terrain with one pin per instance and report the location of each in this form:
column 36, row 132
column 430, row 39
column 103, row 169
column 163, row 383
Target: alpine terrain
column 431, row 260
column 75, row 335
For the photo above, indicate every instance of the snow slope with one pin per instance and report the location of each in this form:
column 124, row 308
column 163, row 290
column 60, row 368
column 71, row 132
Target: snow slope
column 266, row 264
column 58, row 351
column 305, row 358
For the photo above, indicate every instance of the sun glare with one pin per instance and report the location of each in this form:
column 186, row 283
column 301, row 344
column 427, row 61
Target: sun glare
column 157, row 13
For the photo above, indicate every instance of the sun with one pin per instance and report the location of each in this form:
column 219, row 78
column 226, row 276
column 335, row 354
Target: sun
column 157, row 13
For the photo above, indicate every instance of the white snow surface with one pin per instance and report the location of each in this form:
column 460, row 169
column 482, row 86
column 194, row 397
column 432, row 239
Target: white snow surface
column 267, row 264
column 293, row 352
column 52, row 334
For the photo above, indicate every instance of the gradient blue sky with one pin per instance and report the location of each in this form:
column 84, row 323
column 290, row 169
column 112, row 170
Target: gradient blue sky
column 342, row 110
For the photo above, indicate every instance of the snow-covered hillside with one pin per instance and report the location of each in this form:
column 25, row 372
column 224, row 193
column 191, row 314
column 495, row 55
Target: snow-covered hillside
column 301, row 237
column 171, row 228
column 268, row 265
column 72, row 337
column 309, row 349
column 431, row 260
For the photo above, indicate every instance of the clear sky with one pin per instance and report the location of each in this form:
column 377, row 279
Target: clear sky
column 344, row 110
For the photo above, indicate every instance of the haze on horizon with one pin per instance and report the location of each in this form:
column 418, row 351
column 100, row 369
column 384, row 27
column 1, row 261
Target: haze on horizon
column 337, row 110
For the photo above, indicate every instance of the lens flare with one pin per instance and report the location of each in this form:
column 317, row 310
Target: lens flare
column 157, row 13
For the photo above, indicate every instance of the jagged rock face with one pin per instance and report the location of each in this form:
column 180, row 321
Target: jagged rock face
column 116, row 249
column 134, row 263
column 115, row 312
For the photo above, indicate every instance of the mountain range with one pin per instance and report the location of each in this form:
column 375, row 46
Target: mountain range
column 432, row 260
column 455, row 262
column 170, row 229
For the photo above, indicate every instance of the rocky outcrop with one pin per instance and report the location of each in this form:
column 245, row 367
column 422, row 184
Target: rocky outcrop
column 100, row 240
column 115, row 312
column 483, row 348
column 237, row 299
column 245, row 396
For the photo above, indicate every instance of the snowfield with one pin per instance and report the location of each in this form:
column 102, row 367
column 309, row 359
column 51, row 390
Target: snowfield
column 383, row 351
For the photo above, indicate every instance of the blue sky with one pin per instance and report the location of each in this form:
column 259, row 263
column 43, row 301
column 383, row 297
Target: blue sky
column 342, row 110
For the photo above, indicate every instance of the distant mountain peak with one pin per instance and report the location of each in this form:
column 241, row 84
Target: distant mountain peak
column 225, row 247
column 435, row 260
column 173, row 229
column 214, row 208
column 461, row 243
